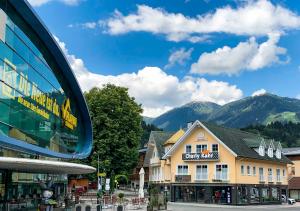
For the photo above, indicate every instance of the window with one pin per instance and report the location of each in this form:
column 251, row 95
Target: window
column 182, row 170
column 200, row 136
column 270, row 152
column 261, row 175
column 215, row 148
column 242, row 170
column 188, row 148
column 261, row 150
column 248, row 170
column 201, row 172
column 278, row 179
column 270, row 175
column 278, row 153
column 283, row 172
column 293, row 170
column 221, row 172
column 201, row 148
column 254, row 171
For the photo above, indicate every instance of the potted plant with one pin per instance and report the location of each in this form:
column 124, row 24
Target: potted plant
column 120, row 206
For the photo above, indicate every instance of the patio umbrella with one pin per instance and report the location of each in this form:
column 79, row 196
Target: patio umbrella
column 142, row 179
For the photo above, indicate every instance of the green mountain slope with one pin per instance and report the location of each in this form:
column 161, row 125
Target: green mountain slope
column 263, row 109
column 179, row 117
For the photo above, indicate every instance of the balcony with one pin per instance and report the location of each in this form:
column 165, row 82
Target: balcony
column 201, row 177
column 182, row 178
column 200, row 156
column 221, row 177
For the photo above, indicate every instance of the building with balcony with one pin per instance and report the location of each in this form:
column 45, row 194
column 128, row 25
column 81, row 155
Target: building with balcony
column 214, row 164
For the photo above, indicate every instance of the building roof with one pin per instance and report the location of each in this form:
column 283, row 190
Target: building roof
column 156, row 138
column 294, row 183
column 240, row 143
column 291, row 151
column 243, row 143
column 175, row 137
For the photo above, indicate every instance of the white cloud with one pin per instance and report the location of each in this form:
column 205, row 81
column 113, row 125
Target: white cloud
column 259, row 92
column 87, row 25
column 179, row 57
column 248, row 55
column 252, row 18
column 154, row 88
column 37, row 3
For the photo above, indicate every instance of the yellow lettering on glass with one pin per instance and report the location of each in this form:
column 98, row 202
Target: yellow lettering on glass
column 69, row 120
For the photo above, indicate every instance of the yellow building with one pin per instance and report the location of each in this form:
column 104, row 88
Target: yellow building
column 214, row 164
column 293, row 171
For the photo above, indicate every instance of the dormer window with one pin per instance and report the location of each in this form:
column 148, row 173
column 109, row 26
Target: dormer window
column 278, row 154
column 278, row 151
column 270, row 152
column 261, row 150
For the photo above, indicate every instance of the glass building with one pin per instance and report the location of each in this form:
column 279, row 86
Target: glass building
column 43, row 114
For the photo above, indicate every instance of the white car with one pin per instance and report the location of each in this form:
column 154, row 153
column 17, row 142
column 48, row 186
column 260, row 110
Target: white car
column 291, row 201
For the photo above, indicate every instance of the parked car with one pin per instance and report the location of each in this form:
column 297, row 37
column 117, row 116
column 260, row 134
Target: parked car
column 291, row 201
column 287, row 200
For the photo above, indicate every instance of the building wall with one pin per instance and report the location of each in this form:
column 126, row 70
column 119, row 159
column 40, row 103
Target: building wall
column 225, row 157
column 254, row 179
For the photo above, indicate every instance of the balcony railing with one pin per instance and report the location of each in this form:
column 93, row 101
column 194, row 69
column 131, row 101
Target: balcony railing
column 201, row 176
column 222, row 176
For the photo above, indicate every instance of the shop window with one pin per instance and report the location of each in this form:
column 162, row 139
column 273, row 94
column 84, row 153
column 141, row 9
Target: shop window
column 201, row 148
column 182, row 170
column 215, row 147
column 201, row 172
column 248, row 170
column 270, row 175
column 242, row 195
column 265, row 194
column 274, row 194
column 188, row 148
column 242, row 170
column 254, row 195
column 261, row 175
column 221, row 172
column 278, row 178
column 254, row 171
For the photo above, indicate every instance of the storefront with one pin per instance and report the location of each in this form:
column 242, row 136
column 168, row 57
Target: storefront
column 44, row 118
column 218, row 165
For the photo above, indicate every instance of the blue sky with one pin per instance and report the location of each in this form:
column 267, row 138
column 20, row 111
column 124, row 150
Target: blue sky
column 169, row 53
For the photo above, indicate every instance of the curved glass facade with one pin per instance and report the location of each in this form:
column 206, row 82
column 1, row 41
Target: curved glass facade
column 37, row 103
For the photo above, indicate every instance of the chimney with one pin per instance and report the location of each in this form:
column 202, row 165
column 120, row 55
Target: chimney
column 189, row 124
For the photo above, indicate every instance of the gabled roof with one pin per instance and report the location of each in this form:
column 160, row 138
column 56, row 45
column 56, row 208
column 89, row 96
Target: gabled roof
column 156, row 138
column 239, row 143
column 175, row 137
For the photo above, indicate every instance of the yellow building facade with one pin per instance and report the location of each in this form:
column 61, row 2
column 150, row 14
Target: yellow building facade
column 213, row 164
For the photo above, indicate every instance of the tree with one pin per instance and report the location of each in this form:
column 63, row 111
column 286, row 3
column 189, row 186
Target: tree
column 116, row 119
column 147, row 128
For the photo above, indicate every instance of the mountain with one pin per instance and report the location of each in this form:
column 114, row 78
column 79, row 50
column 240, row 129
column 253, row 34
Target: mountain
column 262, row 109
column 178, row 117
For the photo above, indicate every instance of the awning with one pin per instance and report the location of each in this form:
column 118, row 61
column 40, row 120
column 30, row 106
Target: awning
column 43, row 166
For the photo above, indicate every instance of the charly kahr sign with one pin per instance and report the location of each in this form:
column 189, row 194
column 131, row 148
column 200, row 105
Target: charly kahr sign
column 32, row 98
column 201, row 156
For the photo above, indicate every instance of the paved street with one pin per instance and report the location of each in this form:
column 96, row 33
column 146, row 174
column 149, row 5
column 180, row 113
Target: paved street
column 204, row 207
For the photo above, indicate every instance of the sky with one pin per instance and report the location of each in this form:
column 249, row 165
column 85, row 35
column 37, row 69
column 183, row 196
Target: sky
column 169, row 53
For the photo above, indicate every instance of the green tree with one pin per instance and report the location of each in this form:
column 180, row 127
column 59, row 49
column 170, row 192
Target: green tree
column 117, row 129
